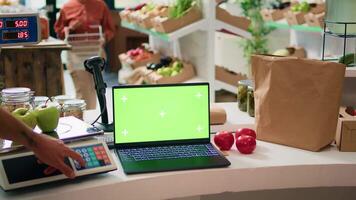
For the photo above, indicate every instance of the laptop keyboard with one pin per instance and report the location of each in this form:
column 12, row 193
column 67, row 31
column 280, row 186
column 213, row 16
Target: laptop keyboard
column 167, row 152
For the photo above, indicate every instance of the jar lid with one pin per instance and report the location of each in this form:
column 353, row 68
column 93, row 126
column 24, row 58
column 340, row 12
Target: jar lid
column 246, row 82
column 16, row 95
column 16, row 90
column 75, row 103
column 62, row 98
column 40, row 98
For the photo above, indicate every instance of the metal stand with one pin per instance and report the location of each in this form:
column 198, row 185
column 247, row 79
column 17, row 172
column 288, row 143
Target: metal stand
column 345, row 36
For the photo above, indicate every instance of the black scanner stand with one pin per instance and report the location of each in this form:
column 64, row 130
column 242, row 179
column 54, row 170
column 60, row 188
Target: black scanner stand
column 95, row 65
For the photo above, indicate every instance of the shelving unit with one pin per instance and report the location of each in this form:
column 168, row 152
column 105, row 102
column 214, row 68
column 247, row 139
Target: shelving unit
column 195, row 43
column 168, row 37
column 222, row 25
column 284, row 25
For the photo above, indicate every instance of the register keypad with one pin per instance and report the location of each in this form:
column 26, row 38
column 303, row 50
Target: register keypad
column 94, row 156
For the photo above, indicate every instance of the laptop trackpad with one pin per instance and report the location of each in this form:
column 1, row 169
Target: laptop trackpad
column 174, row 164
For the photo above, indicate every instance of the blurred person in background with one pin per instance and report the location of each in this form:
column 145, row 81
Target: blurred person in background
column 76, row 17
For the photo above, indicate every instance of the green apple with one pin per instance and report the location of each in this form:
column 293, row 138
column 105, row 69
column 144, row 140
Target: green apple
column 177, row 65
column 174, row 73
column 26, row 116
column 47, row 117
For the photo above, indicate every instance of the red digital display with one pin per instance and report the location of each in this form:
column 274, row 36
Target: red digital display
column 17, row 24
column 1, row 24
column 15, row 35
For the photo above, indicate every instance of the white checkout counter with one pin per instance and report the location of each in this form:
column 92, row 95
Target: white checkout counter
column 271, row 166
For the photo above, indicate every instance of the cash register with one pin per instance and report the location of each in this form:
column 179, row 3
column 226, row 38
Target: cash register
column 21, row 168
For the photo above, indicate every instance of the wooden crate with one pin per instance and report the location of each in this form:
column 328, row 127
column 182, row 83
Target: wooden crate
column 346, row 131
column 41, row 70
column 237, row 21
column 229, row 77
column 187, row 73
column 315, row 19
column 273, row 14
column 170, row 25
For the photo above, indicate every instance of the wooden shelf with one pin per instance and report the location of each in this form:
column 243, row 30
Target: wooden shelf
column 283, row 25
column 199, row 25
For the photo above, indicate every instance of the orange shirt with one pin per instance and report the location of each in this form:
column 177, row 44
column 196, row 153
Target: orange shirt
column 92, row 12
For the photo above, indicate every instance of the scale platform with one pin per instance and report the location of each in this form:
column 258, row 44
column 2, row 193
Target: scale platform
column 21, row 169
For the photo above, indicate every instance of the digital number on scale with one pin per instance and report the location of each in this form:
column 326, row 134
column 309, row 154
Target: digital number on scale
column 15, row 35
column 14, row 24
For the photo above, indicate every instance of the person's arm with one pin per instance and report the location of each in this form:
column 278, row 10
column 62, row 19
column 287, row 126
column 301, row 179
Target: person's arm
column 48, row 150
column 60, row 25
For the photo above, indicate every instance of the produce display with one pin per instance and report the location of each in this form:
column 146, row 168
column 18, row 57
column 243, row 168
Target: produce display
column 167, row 67
column 140, row 54
column 161, row 17
column 181, row 8
column 245, row 140
column 301, row 7
column 278, row 4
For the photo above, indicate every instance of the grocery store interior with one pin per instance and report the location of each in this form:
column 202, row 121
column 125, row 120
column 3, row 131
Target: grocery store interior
column 178, row 99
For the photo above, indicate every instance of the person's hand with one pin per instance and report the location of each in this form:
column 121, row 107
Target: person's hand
column 53, row 153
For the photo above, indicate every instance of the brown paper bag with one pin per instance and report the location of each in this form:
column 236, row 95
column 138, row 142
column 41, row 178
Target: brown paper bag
column 297, row 100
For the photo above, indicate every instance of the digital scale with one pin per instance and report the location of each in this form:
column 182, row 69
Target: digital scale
column 19, row 29
column 22, row 169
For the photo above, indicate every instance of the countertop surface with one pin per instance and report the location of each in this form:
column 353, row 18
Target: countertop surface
column 271, row 166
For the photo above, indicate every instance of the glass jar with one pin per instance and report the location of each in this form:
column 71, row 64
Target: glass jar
column 13, row 98
column 242, row 94
column 74, row 108
column 250, row 101
column 39, row 100
column 341, row 11
column 61, row 99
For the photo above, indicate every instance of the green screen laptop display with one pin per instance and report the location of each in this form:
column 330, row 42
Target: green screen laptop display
column 161, row 113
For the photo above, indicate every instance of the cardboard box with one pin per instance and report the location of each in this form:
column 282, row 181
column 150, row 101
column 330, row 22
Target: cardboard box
column 170, row 25
column 187, row 73
column 273, row 14
column 346, row 131
column 229, row 77
column 237, row 21
column 127, row 61
column 315, row 19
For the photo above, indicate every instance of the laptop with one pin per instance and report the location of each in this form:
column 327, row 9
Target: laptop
column 163, row 128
